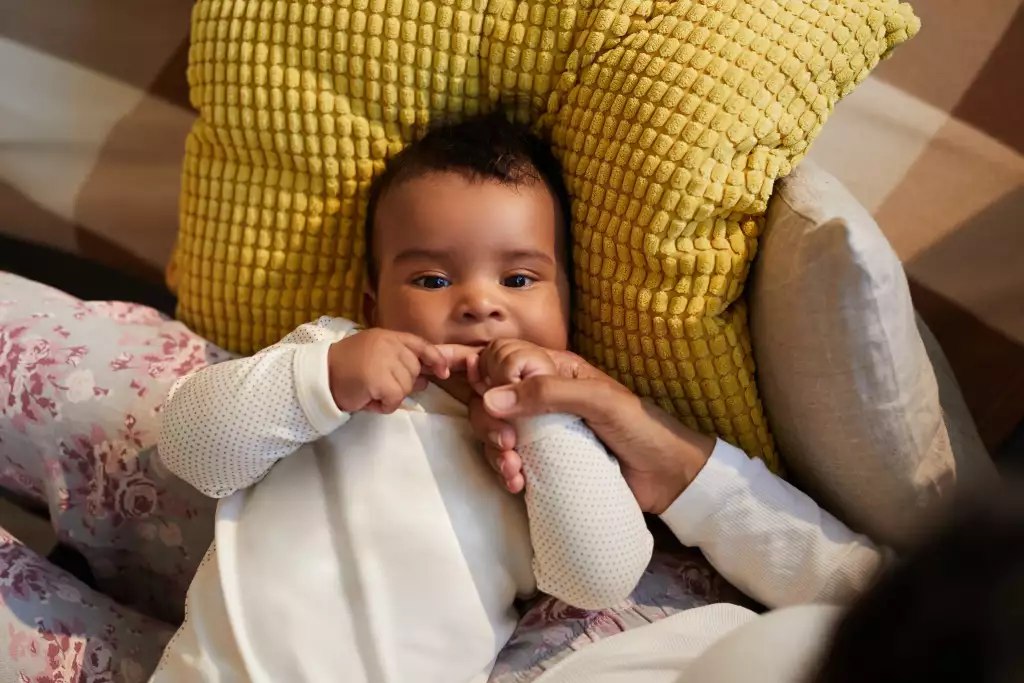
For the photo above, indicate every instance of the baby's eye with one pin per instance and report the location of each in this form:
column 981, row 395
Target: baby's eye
column 432, row 282
column 518, row 281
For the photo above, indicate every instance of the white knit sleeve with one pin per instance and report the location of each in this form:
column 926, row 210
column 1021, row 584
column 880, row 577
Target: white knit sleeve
column 590, row 542
column 226, row 425
column 769, row 539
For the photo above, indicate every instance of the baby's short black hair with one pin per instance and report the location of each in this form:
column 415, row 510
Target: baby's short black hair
column 486, row 147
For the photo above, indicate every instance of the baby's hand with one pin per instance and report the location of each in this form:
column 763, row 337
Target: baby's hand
column 509, row 361
column 377, row 369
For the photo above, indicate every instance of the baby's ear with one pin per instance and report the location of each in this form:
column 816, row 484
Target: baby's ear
column 369, row 305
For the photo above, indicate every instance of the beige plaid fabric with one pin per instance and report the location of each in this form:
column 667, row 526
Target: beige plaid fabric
column 94, row 113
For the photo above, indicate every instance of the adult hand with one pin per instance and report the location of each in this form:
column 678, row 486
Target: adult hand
column 658, row 455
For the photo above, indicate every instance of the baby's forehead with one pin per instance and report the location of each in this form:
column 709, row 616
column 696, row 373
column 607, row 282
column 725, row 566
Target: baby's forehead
column 427, row 184
column 436, row 200
column 457, row 218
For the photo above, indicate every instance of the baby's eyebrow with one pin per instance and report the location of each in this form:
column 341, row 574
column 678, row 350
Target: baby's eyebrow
column 527, row 254
column 421, row 254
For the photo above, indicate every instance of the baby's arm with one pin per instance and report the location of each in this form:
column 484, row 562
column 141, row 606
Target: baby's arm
column 590, row 542
column 225, row 426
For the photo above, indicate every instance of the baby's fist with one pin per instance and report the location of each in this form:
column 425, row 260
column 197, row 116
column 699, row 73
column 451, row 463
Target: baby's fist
column 377, row 369
column 509, row 361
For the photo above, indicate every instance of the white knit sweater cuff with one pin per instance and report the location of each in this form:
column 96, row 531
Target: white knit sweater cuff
column 703, row 497
column 313, row 388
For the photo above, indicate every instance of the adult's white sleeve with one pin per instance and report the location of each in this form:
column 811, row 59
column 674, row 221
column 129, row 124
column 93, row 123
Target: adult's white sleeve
column 590, row 542
column 769, row 539
column 226, row 425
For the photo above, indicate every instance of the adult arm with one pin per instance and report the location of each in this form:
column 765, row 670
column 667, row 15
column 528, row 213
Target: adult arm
column 759, row 531
column 767, row 538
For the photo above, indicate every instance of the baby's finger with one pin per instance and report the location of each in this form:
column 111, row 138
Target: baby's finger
column 420, row 384
column 483, row 370
column 515, row 484
column 392, row 392
column 427, row 354
column 511, row 465
column 494, row 458
column 508, row 466
column 524, row 362
column 432, row 358
column 492, row 431
column 410, row 363
column 507, row 361
column 512, row 368
column 473, row 375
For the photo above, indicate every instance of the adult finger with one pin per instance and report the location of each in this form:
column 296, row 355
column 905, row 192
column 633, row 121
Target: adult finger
column 458, row 356
column 592, row 399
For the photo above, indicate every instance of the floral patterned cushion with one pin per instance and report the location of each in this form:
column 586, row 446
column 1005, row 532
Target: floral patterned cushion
column 81, row 385
column 54, row 629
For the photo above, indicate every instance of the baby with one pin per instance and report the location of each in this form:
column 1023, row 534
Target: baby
column 377, row 545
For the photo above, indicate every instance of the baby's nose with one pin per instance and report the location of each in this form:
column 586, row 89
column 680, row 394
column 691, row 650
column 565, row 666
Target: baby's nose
column 479, row 307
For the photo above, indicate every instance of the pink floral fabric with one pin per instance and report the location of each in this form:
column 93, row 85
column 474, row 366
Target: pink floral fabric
column 54, row 629
column 81, row 386
column 677, row 579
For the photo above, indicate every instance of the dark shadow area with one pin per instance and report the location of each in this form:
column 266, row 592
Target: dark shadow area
column 80, row 277
column 989, row 366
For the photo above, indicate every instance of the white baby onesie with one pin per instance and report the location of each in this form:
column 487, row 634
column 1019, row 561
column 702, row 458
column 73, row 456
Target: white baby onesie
column 381, row 549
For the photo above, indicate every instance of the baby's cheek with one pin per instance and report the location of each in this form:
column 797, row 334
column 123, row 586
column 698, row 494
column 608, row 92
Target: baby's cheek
column 415, row 315
column 547, row 325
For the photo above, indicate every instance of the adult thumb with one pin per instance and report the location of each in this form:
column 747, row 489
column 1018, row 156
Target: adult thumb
column 533, row 396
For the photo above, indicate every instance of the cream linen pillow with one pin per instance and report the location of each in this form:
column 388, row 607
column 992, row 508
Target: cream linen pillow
column 847, row 382
column 974, row 466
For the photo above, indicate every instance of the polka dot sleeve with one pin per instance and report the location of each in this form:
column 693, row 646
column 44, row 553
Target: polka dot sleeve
column 591, row 544
column 225, row 426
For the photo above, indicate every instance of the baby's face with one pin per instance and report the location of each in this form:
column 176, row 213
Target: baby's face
column 464, row 261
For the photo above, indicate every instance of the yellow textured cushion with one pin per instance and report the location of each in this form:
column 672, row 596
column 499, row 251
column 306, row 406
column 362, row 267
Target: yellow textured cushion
column 672, row 119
